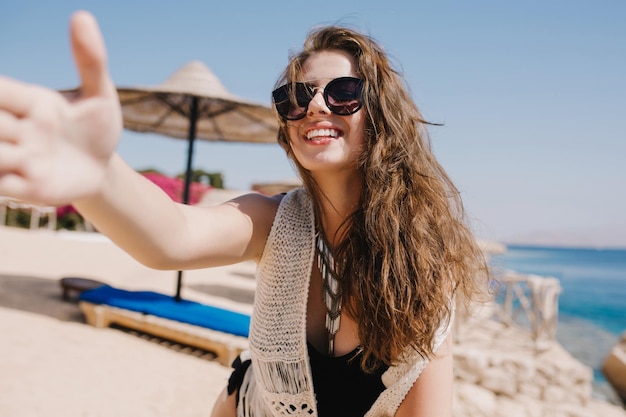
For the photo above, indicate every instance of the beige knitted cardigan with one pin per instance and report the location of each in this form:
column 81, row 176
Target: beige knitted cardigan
column 279, row 381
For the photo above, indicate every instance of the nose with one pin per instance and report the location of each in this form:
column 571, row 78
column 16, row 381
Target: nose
column 317, row 104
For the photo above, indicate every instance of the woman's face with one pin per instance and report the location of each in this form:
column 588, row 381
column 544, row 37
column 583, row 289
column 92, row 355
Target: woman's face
column 324, row 142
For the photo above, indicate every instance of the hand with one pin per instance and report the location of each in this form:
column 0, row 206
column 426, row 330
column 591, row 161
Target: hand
column 55, row 150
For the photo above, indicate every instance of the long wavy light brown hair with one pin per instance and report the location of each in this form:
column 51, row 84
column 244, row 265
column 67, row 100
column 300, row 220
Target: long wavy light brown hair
column 407, row 252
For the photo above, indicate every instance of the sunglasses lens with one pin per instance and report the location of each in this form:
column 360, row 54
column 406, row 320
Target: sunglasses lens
column 292, row 106
column 344, row 95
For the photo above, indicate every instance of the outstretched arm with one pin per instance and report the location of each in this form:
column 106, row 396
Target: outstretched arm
column 59, row 151
column 162, row 234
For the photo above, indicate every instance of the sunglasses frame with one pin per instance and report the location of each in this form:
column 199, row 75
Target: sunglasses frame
column 285, row 95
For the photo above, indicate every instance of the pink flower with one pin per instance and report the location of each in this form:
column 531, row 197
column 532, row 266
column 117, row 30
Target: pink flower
column 174, row 187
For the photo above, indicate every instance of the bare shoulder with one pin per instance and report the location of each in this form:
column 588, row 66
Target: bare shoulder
column 257, row 206
column 259, row 210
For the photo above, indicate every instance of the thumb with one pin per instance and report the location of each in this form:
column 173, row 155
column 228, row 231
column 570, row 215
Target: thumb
column 90, row 55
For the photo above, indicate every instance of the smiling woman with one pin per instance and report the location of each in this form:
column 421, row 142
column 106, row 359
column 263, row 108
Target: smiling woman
column 359, row 157
column 358, row 272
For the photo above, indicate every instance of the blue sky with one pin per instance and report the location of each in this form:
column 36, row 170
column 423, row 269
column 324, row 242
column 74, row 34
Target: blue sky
column 532, row 94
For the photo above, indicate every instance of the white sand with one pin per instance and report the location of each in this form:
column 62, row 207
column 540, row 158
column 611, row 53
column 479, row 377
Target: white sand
column 53, row 364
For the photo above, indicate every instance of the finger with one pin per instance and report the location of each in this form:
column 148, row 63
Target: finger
column 15, row 97
column 9, row 128
column 90, row 55
column 11, row 158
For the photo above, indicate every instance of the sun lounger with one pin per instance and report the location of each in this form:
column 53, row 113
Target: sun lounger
column 190, row 323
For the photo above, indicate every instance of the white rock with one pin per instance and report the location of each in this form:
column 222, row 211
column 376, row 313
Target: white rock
column 499, row 381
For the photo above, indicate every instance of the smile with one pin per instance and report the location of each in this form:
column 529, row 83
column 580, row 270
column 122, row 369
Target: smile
column 317, row 134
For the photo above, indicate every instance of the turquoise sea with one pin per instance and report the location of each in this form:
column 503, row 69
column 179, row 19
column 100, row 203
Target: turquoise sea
column 592, row 304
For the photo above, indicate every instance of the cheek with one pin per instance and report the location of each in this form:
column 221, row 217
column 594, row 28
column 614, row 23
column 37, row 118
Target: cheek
column 292, row 133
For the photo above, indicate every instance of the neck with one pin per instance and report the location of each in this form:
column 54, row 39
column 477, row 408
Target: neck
column 338, row 198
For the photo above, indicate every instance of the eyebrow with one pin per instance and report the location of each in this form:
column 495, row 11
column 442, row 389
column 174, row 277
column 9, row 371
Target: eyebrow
column 315, row 82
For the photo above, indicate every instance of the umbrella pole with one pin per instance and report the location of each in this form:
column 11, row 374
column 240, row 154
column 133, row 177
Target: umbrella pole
column 193, row 119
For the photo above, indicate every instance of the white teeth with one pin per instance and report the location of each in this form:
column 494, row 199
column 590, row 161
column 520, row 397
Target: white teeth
column 315, row 133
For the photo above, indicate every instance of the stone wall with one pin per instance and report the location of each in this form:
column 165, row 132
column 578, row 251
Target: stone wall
column 501, row 371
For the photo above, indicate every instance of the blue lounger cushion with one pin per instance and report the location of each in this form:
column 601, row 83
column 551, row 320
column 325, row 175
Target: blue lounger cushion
column 164, row 306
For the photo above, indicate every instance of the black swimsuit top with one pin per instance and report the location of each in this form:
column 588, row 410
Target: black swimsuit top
column 341, row 387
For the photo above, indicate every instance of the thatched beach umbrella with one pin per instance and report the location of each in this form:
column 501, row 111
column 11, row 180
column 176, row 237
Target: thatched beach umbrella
column 193, row 104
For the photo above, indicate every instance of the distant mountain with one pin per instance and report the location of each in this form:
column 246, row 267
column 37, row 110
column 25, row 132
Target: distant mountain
column 605, row 237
